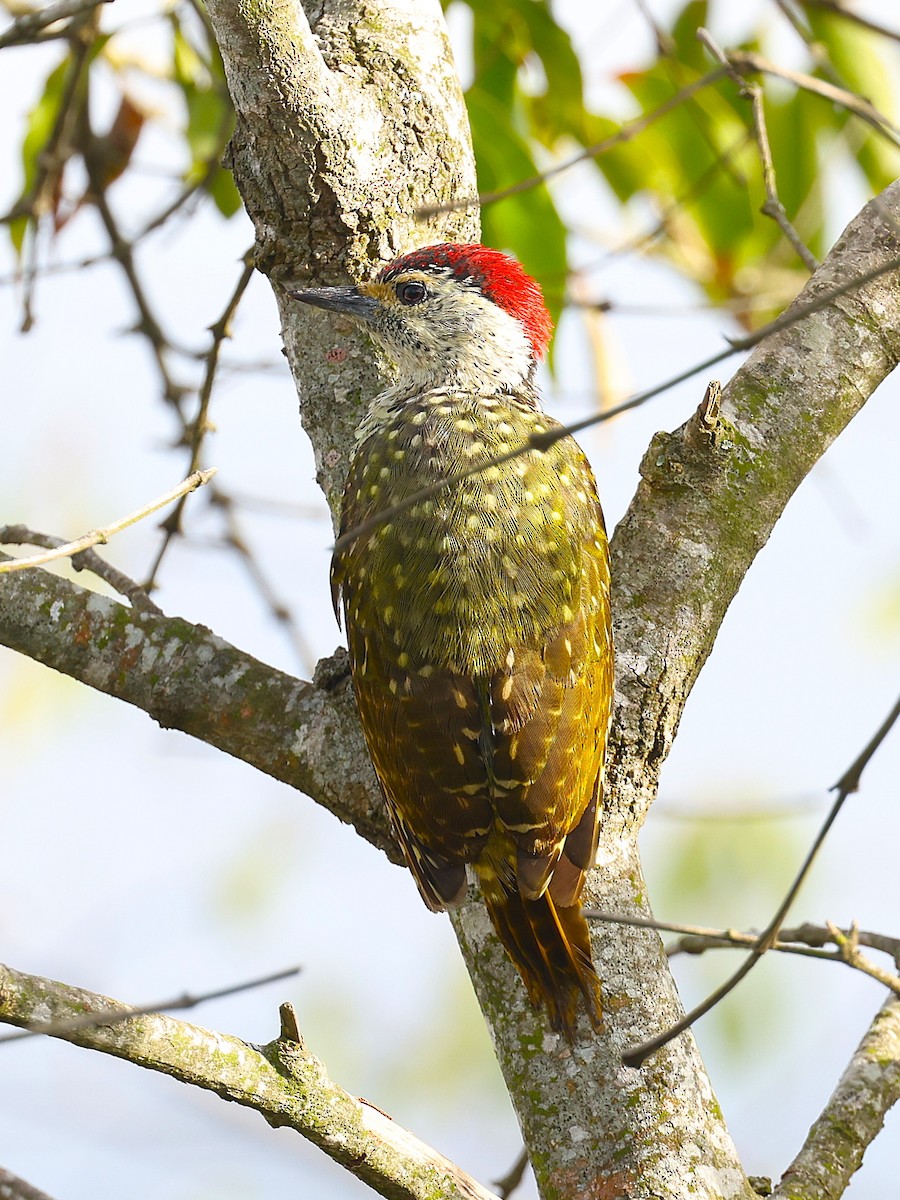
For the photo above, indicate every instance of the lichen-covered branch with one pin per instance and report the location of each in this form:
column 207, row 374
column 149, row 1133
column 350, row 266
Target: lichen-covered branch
column 14, row 1188
column 709, row 498
column 182, row 675
column 853, row 1116
column 282, row 1081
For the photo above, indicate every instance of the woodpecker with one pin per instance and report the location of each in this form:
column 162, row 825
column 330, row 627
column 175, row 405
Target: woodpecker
column 477, row 617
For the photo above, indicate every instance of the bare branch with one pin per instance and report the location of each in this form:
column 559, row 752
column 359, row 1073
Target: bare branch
column 748, row 62
column 61, row 1029
column 121, row 250
column 220, row 330
column 853, row 1116
column 305, row 734
column 846, row 785
column 29, row 25
column 513, row 1177
column 840, row 10
column 848, row 946
column 86, row 560
column 99, row 537
column 773, row 207
column 282, row 1081
column 806, row 940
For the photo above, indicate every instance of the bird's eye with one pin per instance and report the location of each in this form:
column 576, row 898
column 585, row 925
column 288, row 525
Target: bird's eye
column 412, row 292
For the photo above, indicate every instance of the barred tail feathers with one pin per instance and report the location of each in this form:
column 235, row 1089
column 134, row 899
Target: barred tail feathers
column 550, row 947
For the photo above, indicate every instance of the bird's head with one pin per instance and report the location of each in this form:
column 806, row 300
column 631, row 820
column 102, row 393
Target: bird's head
column 451, row 315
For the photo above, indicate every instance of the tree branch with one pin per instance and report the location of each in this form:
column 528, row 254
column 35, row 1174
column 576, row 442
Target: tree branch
column 282, row 1081
column 709, row 499
column 305, row 734
column 14, row 1188
column 853, row 1116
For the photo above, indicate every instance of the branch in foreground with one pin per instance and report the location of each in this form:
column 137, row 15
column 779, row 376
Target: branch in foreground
column 85, row 560
column 853, row 1117
column 281, row 1081
column 304, row 734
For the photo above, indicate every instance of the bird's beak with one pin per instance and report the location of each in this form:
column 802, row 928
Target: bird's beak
column 347, row 300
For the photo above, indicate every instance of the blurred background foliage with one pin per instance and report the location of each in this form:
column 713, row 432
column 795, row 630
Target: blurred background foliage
column 139, row 98
column 698, row 165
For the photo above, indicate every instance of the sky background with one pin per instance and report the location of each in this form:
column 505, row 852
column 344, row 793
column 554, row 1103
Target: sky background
column 141, row 864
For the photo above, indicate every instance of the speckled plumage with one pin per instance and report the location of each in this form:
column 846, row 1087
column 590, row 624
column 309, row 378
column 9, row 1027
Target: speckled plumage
column 478, row 618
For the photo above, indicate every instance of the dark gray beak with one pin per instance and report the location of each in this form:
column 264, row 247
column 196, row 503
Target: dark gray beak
column 338, row 299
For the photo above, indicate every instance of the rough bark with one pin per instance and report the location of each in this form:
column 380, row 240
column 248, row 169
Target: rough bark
column 346, row 122
column 706, row 505
column 185, row 677
column 350, row 119
column 854, row 1115
column 282, row 1081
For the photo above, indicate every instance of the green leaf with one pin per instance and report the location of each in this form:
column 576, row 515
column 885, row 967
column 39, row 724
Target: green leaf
column 225, row 195
column 497, row 52
column 526, row 61
column 527, row 224
column 689, row 50
column 38, row 128
column 860, row 58
column 210, row 116
column 559, row 109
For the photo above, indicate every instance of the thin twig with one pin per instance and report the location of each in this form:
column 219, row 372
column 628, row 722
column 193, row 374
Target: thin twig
column 773, row 207
column 806, row 940
column 848, row 944
column 14, row 278
column 25, row 27
column 86, row 560
column 543, row 441
column 748, row 62
column 629, row 130
column 220, row 330
column 99, row 537
column 694, row 190
column 508, row 1183
column 123, row 252
column 834, row 6
column 815, row 49
column 92, row 1020
column 846, row 786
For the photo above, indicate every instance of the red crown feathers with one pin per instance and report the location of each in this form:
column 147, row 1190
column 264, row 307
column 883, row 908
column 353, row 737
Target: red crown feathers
column 496, row 275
